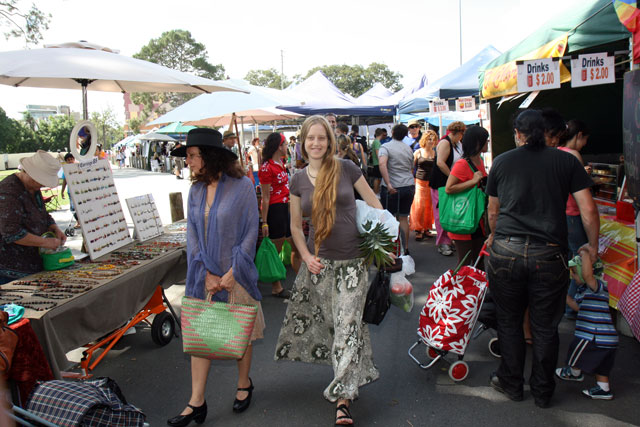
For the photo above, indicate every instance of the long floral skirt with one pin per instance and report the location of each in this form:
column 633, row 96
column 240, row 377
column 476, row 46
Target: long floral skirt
column 324, row 325
column 421, row 218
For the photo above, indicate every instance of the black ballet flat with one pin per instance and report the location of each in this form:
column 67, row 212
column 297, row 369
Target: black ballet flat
column 198, row 415
column 242, row 405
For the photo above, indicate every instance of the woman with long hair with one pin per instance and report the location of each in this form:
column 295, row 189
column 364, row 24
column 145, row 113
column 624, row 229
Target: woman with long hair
column 421, row 217
column 345, row 150
column 469, row 172
column 324, row 323
column 274, row 182
column 222, row 230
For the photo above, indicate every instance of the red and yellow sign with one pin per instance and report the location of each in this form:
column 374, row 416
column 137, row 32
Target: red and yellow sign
column 503, row 79
column 617, row 249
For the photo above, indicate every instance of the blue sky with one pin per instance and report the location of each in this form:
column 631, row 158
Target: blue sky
column 412, row 37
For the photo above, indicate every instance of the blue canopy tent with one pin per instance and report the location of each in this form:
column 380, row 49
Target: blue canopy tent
column 462, row 81
column 466, row 117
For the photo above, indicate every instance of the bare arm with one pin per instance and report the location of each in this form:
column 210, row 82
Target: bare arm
column 384, row 171
column 297, row 234
column 266, row 195
column 455, row 186
column 367, row 193
column 573, row 304
column 492, row 210
column 590, row 219
column 443, row 151
column 362, row 154
column 31, row 239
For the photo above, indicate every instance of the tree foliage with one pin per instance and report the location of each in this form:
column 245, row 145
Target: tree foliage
column 178, row 50
column 28, row 135
column 27, row 24
column 267, row 78
column 109, row 130
column 53, row 132
column 356, row 80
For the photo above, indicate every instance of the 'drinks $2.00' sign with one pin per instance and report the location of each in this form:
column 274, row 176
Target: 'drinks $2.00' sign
column 592, row 69
column 538, row 74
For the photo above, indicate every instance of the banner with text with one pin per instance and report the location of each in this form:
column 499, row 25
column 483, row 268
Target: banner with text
column 538, row 74
column 438, row 106
column 592, row 69
column 501, row 80
column 465, row 103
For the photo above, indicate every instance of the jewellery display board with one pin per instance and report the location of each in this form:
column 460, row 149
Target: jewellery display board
column 145, row 216
column 98, row 208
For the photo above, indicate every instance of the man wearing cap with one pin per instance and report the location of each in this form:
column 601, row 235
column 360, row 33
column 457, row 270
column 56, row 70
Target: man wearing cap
column 415, row 133
column 230, row 140
column 24, row 218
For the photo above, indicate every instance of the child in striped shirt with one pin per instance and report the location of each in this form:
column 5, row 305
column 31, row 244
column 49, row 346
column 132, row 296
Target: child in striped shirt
column 593, row 348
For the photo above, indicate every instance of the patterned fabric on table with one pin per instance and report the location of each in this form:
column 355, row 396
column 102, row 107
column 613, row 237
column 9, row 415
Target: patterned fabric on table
column 453, row 305
column 629, row 304
column 324, row 325
column 90, row 403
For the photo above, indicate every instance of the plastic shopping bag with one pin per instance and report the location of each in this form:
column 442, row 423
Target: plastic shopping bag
column 401, row 291
column 365, row 213
column 285, row 253
column 268, row 262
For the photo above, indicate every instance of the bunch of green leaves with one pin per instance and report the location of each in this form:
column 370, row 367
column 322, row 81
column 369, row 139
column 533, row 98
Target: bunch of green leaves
column 376, row 245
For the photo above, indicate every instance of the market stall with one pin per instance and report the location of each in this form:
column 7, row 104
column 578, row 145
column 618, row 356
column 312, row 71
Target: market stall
column 71, row 307
column 576, row 65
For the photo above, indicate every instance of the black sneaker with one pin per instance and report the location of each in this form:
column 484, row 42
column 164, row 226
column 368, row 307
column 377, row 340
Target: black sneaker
column 598, row 393
column 542, row 403
column 494, row 382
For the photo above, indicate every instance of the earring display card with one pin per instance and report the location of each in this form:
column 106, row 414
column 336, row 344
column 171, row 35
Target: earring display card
column 145, row 215
column 97, row 206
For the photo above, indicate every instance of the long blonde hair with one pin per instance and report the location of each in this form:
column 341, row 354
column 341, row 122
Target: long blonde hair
column 344, row 146
column 323, row 212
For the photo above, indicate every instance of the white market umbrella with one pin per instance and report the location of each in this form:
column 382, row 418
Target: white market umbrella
column 90, row 67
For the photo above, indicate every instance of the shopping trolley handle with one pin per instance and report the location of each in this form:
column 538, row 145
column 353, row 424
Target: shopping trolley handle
column 483, row 252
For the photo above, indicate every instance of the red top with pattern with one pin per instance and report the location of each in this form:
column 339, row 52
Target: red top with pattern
column 275, row 174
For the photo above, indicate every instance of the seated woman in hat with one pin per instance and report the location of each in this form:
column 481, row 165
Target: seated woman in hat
column 222, row 231
column 24, row 219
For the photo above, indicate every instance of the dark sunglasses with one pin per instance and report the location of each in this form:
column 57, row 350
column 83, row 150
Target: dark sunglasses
column 414, row 126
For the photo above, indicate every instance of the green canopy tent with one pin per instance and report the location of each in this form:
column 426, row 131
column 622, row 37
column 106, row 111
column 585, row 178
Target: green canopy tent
column 175, row 129
column 591, row 27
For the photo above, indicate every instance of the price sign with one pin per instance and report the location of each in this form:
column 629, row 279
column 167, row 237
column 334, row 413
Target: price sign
column 592, row 69
column 465, row 103
column 438, row 105
column 538, row 74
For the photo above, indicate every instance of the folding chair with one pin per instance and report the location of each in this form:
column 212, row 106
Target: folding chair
column 50, row 198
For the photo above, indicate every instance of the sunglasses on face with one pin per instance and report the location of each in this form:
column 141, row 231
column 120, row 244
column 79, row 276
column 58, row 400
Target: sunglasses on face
column 414, row 126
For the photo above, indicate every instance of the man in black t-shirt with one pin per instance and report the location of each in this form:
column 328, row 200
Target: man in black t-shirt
column 528, row 189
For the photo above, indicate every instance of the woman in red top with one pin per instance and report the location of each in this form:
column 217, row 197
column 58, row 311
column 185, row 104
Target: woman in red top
column 462, row 177
column 274, row 182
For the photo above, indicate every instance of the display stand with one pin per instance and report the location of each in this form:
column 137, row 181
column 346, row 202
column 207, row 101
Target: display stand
column 98, row 207
column 145, row 216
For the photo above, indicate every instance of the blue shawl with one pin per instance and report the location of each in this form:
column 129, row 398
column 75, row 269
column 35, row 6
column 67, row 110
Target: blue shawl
column 232, row 233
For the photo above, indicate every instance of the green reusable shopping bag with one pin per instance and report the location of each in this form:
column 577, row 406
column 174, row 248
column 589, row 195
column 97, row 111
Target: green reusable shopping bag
column 270, row 267
column 285, row 253
column 460, row 213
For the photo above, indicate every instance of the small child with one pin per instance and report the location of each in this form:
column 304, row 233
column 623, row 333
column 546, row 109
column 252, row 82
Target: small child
column 593, row 348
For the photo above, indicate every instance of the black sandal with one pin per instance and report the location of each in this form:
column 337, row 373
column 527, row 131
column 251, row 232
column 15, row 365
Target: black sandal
column 284, row 294
column 347, row 415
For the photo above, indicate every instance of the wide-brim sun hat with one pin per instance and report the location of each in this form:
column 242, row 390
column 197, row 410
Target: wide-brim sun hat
column 42, row 167
column 204, row 137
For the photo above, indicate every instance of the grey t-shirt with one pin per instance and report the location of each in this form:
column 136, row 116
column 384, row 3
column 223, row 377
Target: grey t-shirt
column 399, row 163
column 343, row 241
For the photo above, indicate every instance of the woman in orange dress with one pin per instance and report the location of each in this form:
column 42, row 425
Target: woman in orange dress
column 421, row 218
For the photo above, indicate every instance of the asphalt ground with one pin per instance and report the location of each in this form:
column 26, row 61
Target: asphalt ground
column 157, row 379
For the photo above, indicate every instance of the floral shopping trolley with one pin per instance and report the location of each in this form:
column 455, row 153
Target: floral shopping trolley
column 449, row 316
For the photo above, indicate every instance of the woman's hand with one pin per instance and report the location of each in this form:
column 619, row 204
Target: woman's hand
column 265, row 229
column 313, row 264
column 51, row 243
column 212, row 283
column 59, row 234
column 477, row 177
column 391, row 190
column 227, row 280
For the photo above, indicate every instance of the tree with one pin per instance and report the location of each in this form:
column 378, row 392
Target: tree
column 10, row 135
column 178, row 50
column 19, row 23
column 109, row 130
column 53, row 132
column 267, row 78
column 356, row 80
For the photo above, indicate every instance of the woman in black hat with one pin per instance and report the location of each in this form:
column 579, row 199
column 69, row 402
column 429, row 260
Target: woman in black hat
column 222, row 231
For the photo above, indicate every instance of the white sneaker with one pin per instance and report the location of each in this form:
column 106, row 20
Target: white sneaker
column 445, row 250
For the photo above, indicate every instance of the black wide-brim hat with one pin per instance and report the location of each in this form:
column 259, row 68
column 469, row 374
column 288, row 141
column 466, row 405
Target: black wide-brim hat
column 204, row 137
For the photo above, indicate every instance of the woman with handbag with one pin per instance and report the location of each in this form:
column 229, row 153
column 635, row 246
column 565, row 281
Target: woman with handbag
column 324, row 323
column 448, row 152
column 222, row 231
column 274, row 182
column 469, row 172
